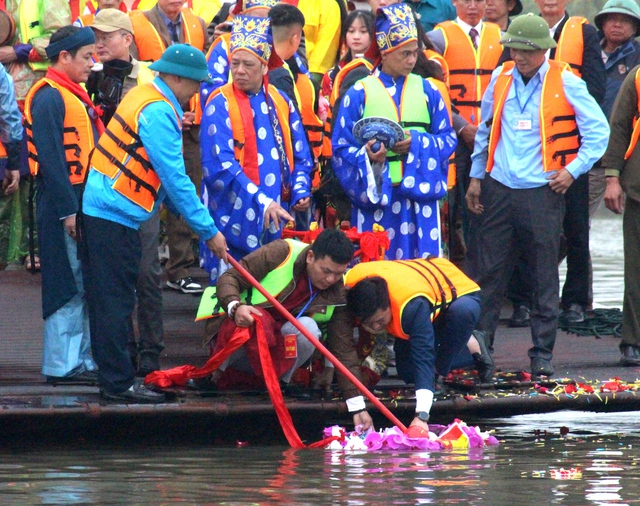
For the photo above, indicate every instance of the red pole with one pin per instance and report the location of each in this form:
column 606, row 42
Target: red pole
column 338, row 365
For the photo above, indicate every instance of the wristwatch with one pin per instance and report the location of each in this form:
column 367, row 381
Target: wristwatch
column 423, row 416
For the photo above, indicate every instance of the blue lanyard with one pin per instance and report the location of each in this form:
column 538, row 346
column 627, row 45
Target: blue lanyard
column 522, row 108
column 313, row 296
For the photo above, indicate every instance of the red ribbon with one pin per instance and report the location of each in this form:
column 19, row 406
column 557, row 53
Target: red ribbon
column 372, row 244
column 250, row 165
column 180, row 375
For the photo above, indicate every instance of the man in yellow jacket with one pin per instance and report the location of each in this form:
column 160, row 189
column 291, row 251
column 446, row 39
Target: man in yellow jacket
column 429, row 305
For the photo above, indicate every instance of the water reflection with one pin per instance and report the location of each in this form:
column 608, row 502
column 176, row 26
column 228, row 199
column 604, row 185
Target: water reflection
column 602, row 446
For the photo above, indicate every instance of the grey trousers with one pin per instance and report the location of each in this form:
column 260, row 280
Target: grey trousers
column 528, row 220
column 631, row 301
column 181, row 255
column 149, row 292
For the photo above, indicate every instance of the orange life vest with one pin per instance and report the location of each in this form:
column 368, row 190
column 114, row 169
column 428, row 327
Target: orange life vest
column 86, row 19
column 237, row 127
column 570, row 47
column 224, row 39
column 470, row 69
column 439, row 59
column 151, row 46
column 327, row 149
column 436, row 279
column 78, row 140
column 442, row 88
column 636, row 121
column 3, row 150
column 312, row 124
column 558, row 128
column 120, row 154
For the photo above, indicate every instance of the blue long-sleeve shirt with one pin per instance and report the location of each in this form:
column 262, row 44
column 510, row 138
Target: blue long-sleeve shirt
column 10, row 123
column 518, row 155
column 10, row 119
column 161, row 135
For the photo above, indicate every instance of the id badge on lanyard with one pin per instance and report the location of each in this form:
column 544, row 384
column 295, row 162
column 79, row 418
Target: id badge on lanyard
column 522, row 121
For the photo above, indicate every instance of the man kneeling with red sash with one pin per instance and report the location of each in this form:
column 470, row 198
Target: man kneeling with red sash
column 306, row 280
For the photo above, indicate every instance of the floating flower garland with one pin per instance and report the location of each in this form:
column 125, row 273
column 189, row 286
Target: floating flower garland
column 457, row 435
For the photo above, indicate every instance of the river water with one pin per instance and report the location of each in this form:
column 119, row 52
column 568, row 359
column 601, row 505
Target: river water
column 606, row 256
column 522, row 470
column 603, row 447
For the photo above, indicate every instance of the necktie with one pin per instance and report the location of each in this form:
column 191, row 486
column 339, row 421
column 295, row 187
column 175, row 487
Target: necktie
column 173, row 31
column 473, row 34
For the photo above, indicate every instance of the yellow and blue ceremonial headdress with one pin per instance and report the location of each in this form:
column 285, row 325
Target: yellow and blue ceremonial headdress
column 395, row 26
column 252, row 34
column 245, row 6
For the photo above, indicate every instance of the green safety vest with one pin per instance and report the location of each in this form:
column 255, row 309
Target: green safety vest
column 414, row 112
column 274, row 282
column 31, row 27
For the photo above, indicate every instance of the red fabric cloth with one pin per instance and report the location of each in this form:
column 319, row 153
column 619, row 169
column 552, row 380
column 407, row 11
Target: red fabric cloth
column 271, row 329
column 180, row 375
column 250, row 166
column 63, row 80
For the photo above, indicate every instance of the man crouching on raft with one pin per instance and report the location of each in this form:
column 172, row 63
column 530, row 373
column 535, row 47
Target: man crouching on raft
column 428, row 305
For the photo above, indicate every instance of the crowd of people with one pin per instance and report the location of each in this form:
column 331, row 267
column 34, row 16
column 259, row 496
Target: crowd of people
column 474, row 137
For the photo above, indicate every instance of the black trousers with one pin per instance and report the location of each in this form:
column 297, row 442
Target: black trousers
column 110, row 264
column 631, row 304
column 530, row 221
column 575, row 230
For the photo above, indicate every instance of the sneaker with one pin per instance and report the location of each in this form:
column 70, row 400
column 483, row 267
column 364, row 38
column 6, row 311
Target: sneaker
column 149, row 362
column 520, row 317
column 136, row 393
column 575, row 314
column 630, row 355
column 186, row 285
column 540, row 367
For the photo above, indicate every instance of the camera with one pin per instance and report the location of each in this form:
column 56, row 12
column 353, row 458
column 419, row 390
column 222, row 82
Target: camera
column 105, row 85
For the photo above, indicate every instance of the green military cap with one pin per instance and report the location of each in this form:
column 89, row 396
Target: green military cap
column 627, row 7
column 529, row 33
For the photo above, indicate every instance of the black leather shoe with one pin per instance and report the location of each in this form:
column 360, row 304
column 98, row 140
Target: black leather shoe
column 136, row 393
column 149, row 362
column 82, row 378
column 574, row 314
column 520, row 317
column 540, row 367
column 630, row 355
column 483, row 360
column 202, row 384
column 295, row 391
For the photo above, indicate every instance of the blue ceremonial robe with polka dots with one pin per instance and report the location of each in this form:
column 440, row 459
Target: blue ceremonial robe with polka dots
column 218, row 65
column 236, row 204
column 408, row 211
